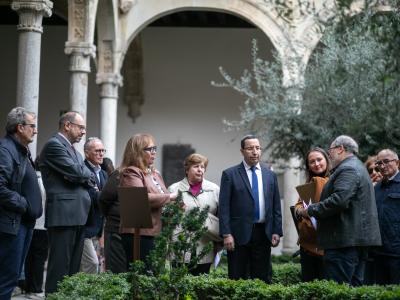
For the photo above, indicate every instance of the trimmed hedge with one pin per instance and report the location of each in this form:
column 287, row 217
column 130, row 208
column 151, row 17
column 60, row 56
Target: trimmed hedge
column 112, row 286
column 81, row 286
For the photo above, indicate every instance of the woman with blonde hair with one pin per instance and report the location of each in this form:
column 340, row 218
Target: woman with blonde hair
column 137, row 170
column 201, row 193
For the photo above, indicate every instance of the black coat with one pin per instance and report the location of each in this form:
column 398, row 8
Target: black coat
column 19, row 196
column 67, row 181
column 347, row 214
column 236, row 204
column 94, row 224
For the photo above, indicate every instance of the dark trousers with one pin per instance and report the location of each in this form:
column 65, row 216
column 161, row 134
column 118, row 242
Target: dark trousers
column 312, row 266
column 200, row 269
column 346, row 265
column 65, row 253
column 35, row 260
column 114, row 253
column 146, row 245
column 387, row 269
column 252, row 260
column 13, row 250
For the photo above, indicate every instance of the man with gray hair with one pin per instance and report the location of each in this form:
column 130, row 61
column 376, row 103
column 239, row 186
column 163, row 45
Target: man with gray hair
column 347, row 218
column 20, row 197
column 387, row 194
column 94, row 154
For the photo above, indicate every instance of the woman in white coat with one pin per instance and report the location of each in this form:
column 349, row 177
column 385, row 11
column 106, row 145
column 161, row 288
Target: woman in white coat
column 199, row 192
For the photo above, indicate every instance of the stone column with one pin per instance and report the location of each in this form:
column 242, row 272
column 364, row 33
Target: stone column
column 109, row 83
column 293, row 78
column 80, row 54
column 291, row 179
column 30, row 33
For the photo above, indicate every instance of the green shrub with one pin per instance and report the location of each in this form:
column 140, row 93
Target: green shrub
column 105, row 286
column 110, row 286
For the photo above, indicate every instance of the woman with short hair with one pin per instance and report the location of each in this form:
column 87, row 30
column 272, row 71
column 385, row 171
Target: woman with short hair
column 201, row 193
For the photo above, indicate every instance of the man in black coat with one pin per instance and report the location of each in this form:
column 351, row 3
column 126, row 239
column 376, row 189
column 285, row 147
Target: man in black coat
column 250, row 214
column 387, row 194
column 67, row 181
column 94, row 153
column 20, row 198
column 347, row 219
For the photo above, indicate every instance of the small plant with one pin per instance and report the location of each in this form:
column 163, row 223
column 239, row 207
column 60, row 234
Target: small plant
column 175, row 251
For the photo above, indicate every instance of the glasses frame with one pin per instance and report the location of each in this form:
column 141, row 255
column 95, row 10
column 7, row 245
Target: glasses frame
column 151, row 149
column 33, row 126
column 81, row 127
column 100, row 151
column 384, row 162
column 334, row 147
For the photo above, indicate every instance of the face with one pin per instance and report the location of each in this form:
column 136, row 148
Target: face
column 75, row 130
column 27, row 131
column 95, row 153
column 387, row 163
column 373, row 172
column 150, row 152
column 335, row 154
column 195, row 173
column 251, row 152
column 317, row 163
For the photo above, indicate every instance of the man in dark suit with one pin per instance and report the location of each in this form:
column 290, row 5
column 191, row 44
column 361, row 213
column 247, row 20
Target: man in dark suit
column 67, row 181
column 94, row 154
column 250, row 214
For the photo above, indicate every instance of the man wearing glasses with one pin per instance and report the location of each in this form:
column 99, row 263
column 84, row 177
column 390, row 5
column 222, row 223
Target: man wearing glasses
column 67, row 181
column 94, row 154
column 387, row 194
column 347, row 220
column 20, row 197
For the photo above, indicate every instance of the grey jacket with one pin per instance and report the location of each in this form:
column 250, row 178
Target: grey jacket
column 66, row 180
column 347, row 214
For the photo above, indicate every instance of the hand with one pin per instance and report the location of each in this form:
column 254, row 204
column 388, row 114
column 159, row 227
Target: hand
column 275, row 240
column 229, row 243
column 173, row 196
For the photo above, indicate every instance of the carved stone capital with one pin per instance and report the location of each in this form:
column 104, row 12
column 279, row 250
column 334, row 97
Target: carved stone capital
column 80, row 54
column 113, row 78
column 31, row 14
column 126, row 5
column 109, row 83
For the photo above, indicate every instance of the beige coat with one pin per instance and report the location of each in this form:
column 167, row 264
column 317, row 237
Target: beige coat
column 208, row 197
column 133, row 176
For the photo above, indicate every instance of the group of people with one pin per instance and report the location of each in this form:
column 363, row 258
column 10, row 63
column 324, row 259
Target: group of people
column 355, row 237
column 79, row 195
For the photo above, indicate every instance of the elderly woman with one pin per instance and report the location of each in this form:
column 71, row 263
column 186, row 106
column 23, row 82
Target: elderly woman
column 137, row 170
column 198, row 192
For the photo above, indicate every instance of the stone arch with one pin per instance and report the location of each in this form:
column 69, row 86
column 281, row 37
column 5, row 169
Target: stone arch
column 143, row 13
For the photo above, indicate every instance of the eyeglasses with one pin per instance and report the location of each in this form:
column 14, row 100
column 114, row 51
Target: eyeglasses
column 372, row 170
column 151, row 149
column 334, row 147
column 30, row 125
column 81, row 127
column 382, row 162
column 98, row 151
